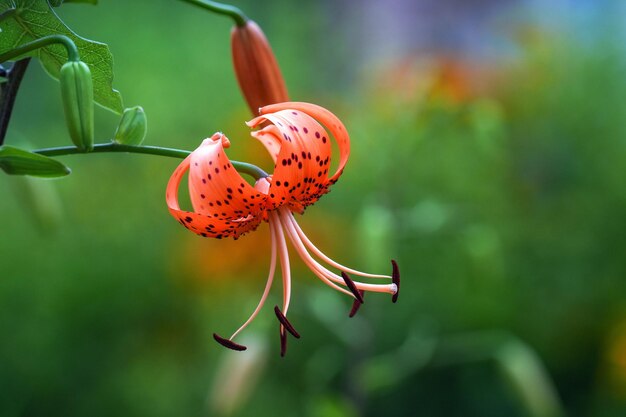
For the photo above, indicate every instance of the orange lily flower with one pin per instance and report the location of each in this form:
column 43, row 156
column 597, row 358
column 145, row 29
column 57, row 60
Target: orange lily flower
column 225, row 205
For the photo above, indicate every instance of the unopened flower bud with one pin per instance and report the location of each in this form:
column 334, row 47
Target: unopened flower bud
column 133, row 127
column 256, row 68
column 77, row 94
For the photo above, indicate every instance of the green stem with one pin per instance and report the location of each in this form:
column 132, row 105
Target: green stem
column 70, row 47
column 8, row 93
column 226, row 9
column 243, row 167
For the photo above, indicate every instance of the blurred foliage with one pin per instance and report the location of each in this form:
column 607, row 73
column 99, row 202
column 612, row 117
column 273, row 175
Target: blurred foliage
column 26, row 21
column 498, row 185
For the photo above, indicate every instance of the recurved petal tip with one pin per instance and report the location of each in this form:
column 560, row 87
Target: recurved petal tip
column 255, row 121
column 395, row 278
column 227, row 343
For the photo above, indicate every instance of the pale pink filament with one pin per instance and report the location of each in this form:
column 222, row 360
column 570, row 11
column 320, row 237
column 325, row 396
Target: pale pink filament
column 322, row 272
column 315, row 267
column 325, row 258
column 284, row 261
column 268, row 285
column 281, row 221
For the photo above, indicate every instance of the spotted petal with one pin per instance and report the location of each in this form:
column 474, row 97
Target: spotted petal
column 301, row 166
column 225, row 205
column 325, row 117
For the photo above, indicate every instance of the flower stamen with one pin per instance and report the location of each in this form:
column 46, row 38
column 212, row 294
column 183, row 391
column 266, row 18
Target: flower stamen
column 323, row 273
column 328, row 260
column 315, row 267
column 356, row 305
column 395, row 276
column 228, row 343
column 268, row 285
column 283, row 341
column 284, row 261
column 283, row 320
column 352, row 287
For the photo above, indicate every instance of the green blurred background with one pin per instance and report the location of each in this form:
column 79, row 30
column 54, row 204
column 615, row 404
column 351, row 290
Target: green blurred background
column 489, row 155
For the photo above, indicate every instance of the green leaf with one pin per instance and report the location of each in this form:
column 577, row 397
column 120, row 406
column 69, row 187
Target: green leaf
column 35, row 19
column 82, row 1
column 16, row 161
column 57, row 3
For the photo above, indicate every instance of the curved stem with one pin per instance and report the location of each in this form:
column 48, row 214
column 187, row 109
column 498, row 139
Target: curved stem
column 8, row 93
column 226, row 9
column 243, row 167
column 70, row 47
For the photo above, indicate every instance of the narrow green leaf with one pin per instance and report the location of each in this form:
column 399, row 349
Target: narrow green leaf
column 57, row 3
column 82, row 1
column 35, row 19
column 16, row 161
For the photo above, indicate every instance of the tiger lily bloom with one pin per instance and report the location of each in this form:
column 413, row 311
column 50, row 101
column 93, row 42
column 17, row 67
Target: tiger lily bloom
column 225, row 205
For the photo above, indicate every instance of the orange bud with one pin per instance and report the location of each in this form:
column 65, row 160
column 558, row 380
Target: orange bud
column 256, row 67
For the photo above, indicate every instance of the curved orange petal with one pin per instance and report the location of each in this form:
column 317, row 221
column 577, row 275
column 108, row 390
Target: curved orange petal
column 269, row 136
column 211, row 219
column 301, row 168
column 216, row 188
column 325, row 117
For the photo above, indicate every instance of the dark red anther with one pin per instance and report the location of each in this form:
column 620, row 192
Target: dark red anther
column 356, row 305
column 228, row 343
column 283, row 320
column 352, row 287
column 283, row 341
column 395, row 278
